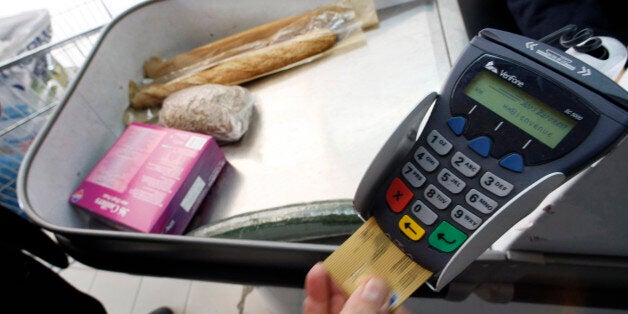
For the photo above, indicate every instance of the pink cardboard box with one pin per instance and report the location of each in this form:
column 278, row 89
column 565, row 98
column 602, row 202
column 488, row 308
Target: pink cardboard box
column 152, row 179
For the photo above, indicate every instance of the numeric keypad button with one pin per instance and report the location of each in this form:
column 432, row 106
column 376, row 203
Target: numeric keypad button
column 465, row 218
column 436, row 197
column 424, row 213
column 426, row 160
column 450, row 181
column 481, row 202
column 464, row 165
column 413, row 175
column 495, row 184
column 438, row 143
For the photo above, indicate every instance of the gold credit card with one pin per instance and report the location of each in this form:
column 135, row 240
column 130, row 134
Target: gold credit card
column 370, row 252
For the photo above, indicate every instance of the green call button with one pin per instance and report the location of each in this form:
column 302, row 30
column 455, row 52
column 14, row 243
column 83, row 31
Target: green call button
column 446, row 237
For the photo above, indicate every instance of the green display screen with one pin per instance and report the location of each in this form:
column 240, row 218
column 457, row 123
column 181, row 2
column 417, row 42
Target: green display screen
column 534, row 117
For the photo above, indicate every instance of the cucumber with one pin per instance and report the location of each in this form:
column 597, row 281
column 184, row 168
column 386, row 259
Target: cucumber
column 319, row 221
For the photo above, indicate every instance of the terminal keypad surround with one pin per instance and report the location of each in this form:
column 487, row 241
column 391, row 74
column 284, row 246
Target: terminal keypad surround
column 430, row 203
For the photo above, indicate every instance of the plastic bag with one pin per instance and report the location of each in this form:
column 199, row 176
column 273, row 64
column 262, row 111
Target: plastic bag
column 26, row 87
column 33, row 81
column 224, row 112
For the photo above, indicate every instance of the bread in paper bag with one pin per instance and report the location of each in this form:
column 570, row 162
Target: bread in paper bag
column 223, row 112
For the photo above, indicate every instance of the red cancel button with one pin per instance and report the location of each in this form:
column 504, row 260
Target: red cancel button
column 398, row 195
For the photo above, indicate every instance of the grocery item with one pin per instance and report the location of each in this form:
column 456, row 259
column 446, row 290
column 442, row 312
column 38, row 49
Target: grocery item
column 320, row 221
column 257, row 37
column 257, row 52
column 151, row 180
column 224, row 112
column 241, row 68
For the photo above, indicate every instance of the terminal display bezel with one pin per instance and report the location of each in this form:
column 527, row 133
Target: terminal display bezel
column 508, row 138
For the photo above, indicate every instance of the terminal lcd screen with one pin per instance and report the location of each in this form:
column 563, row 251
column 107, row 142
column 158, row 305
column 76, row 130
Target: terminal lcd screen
column 534, row 117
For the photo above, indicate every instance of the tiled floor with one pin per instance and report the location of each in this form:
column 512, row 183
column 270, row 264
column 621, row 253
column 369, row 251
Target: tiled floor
column 124, row 293
column 128, row 294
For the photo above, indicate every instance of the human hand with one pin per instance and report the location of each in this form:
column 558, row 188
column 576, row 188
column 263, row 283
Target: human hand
column 323, row 296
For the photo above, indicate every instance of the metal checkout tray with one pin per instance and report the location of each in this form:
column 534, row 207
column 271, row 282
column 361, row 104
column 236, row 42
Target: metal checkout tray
column 315, row 130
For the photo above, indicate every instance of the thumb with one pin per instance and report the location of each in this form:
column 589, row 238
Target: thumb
column 370, row 297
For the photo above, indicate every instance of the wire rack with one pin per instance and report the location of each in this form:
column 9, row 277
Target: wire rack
column 34, row 82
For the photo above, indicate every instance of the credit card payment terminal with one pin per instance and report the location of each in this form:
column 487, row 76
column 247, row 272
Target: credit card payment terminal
column 515, row 119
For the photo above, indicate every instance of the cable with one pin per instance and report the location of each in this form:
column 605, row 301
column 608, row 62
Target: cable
column 581, row 40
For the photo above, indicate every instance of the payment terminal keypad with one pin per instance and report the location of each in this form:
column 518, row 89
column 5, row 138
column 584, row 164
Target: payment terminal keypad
column 428, row 207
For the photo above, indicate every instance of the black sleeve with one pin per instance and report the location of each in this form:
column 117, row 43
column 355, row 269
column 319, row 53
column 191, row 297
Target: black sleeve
column 17, row 233
column 31, row 286
column 537, row 18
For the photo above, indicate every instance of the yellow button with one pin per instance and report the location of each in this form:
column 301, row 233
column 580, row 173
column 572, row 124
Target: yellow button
column 410, row 228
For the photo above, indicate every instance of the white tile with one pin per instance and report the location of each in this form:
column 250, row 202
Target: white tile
column 276, row 300
column 116, row 291
column 81, row 278
column 155, row 292
column 252, row 302
column 77, row 265
column 213, row 297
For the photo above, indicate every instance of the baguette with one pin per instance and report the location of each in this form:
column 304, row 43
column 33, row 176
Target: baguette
column 156, row 67
column 240, row 68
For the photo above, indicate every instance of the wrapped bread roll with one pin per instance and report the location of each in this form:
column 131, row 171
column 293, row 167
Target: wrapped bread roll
column 223, row 112
column 239, row 69
column 260, row 36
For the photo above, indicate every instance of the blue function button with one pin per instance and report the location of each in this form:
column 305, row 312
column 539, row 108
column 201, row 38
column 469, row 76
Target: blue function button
column 513, row 162
column 481, row 145
column 456, row 124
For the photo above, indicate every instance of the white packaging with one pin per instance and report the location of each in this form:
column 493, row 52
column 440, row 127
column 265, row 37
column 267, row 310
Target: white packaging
column 25, row 82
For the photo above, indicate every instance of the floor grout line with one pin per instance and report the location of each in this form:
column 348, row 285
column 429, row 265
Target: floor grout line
column 187, row 297
column 137, row 293
column 246, row 291
column 91, row 284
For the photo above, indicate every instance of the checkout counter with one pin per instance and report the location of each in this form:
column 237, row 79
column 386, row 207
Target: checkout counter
column 315, row 130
